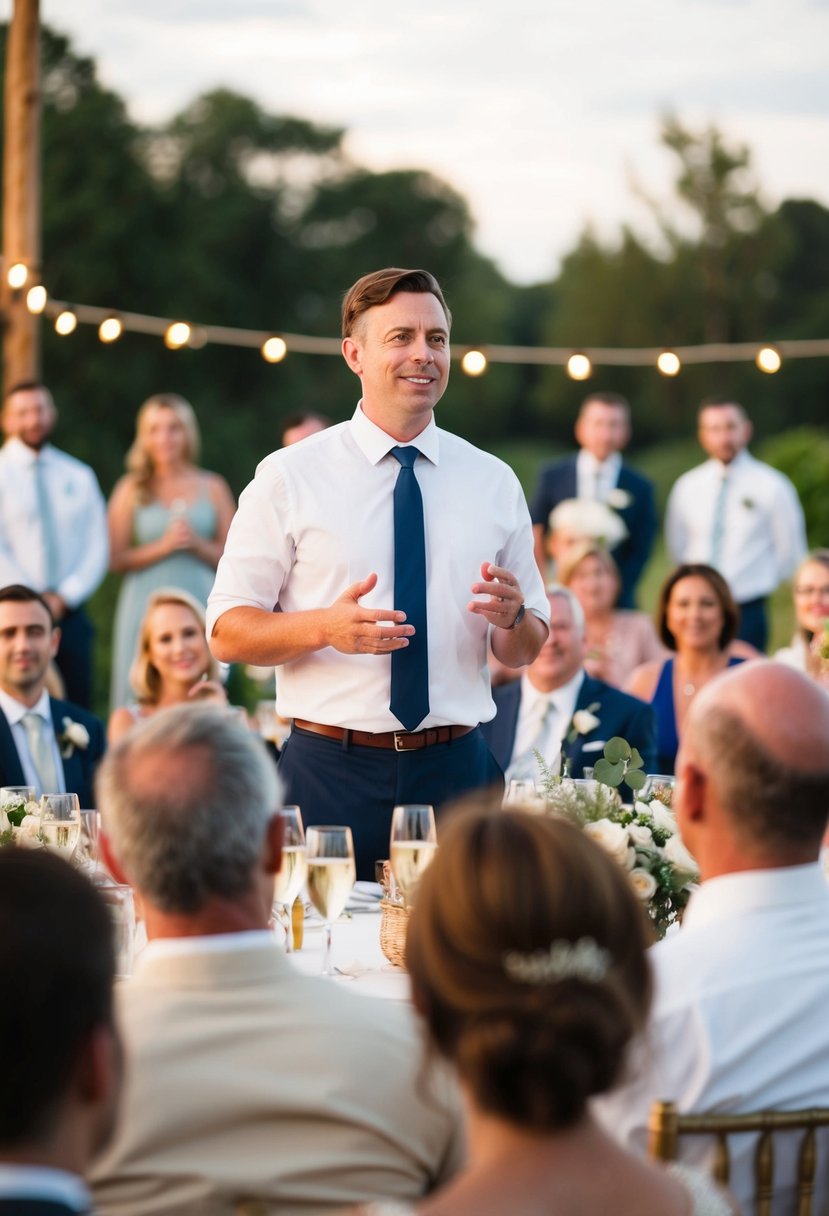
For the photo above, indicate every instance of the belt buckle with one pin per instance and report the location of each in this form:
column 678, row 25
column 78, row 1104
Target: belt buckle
column 399, row 736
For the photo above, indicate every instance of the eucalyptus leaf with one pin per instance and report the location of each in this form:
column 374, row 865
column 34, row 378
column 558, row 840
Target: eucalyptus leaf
column 609, row 774
column 617, row 750
column 635, row 760
column 635, row 778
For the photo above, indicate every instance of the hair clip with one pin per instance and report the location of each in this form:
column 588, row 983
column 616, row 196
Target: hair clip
column 563, row 960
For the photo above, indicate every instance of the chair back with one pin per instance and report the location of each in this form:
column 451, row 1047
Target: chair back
column 666, row 1125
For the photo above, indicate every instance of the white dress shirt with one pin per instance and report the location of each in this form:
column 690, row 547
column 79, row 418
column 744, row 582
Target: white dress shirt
column 763, row 536
column 564, row 699
column 44, row 1182
column 739, row 1020
column 318, row 517
column 596, row 478
column 15, row 711
column 78, row 517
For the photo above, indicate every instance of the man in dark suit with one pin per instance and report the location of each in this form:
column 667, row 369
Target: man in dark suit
column 597, row 472
column 61, row 1053
column 49, row 744
column 556, row 707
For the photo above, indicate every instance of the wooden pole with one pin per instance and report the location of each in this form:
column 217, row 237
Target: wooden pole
column 21, row 191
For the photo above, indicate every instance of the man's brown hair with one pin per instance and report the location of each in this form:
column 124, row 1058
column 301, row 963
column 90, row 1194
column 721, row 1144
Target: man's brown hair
column 379, row 286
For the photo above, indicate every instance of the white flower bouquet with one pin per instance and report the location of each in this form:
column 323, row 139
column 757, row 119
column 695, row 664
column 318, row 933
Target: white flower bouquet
column 19, row 821
column 642, row 838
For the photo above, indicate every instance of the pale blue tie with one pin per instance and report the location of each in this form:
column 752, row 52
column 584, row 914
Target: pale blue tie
column 47, row 528
column 718, row 525
column 40, row 750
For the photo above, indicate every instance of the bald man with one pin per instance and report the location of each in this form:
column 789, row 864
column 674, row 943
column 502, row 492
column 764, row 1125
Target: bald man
column 740, row 1020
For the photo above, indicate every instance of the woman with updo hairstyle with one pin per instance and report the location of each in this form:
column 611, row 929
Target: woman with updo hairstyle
column 526, row 951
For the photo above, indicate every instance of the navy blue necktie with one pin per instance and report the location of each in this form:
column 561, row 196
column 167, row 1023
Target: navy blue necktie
column 409, row 666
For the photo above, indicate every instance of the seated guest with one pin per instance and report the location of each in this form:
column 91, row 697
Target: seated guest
column 742, row 989
column 47, row 743
column 246, row 1081
column 541, row 711
column 173, row 664
column 618, row 639
column 811, row 606
column 531, row 980
column 696, row 619
column 61, row 1055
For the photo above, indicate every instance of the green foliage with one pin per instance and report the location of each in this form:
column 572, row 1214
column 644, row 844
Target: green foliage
column 620, row 763
column 803, row 455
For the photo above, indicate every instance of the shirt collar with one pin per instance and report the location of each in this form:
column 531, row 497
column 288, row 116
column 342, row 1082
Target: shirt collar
column 376, row 443
column 587, row 463
column 562, row 695
column 214, row 943
column 21, row 453
column 740, row 462
column 44, row 1182
column 720, row 899
column 15, row 710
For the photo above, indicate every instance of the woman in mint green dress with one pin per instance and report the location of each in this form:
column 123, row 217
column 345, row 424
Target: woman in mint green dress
column 168, row 520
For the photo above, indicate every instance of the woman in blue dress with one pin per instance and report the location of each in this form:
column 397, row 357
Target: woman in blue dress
column 168, row 520
column 697, row 619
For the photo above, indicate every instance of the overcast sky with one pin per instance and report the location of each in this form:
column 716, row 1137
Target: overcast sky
column 540, row 112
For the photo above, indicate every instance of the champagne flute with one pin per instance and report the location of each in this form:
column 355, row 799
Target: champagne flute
column 290, row 878
column 331, row 875
column 60, row 823
column 412, row 847
column 90, row 833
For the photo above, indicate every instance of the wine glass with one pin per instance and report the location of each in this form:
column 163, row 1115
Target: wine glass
column 60, row 823
column 120, row 904
column 290, row 878
column 331, row 875
column 412, row 846
column 660, row 786
column 90, row 832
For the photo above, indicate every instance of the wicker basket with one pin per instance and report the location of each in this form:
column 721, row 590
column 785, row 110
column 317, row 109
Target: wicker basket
column 394, row 922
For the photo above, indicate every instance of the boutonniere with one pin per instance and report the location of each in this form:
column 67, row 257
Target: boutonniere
column 748, row 503
column 619, row 499
column 583, row 722
column 74, row 734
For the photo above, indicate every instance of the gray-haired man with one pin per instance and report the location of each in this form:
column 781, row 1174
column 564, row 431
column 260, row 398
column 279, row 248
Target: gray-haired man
column 246, row 1080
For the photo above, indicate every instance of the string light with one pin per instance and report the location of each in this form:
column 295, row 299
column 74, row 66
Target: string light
column 474, row 363
column 579, row 367
column 110, row 329
column 768, row 360
column 668, row 363
column 274, row 350
column 16, row 275
column 177, row 335
column 66, row 322
column 36, row 298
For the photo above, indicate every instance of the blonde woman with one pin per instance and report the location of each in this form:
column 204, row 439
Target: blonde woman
column 811, row 607
column 168, row 520
column 173, row 664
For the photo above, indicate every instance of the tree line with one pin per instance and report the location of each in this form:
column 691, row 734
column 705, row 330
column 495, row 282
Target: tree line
column 231, row 215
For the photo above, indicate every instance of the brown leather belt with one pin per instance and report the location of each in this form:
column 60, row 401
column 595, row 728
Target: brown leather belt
column 397, row 740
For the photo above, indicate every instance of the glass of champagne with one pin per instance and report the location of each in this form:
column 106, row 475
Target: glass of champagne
column 331, row 875
column 90, row 834
column 290, row 878
column 412, row 846
column 60, row 823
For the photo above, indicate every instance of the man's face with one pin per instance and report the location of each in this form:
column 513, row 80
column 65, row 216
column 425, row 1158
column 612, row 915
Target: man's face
column 29, row 415
column 723, row 432
column 562, row 654
column 400, row 351
column 27, row 644
column 602, row 429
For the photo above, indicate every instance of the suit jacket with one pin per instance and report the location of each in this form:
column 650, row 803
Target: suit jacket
column 78, row 769
column 558, row 482
column 618, row 714
column 248, row 1080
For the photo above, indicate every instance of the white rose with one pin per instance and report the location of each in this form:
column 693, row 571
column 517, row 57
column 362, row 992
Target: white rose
column 644, row 884
column 662, row 817
column 629, row 859
column 679, row 856
column 28, row 834
column 75, row 733
column 640, row 835
column 611, row 836
column 4, row 821
column 618, row 499
column 584, row 721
